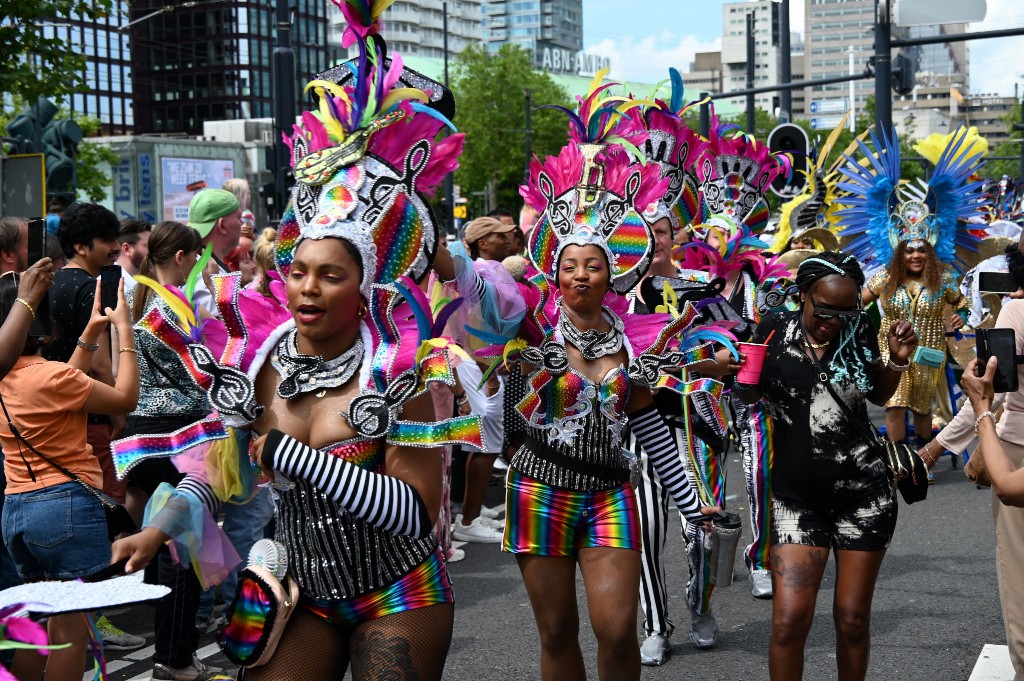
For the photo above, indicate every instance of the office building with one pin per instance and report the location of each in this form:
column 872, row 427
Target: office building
column 834, row 26
column 108, row 83
column 214, row 61
column 552, row 30
column 415, row 28
column 767, row 58
column 705, row 74
column 988, row 113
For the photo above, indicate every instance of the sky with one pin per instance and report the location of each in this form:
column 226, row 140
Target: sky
column 643, row 38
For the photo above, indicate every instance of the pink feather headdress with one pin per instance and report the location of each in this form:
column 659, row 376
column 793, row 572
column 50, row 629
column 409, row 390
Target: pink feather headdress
column 735, row 172
column 366, row 162
column 593, row 192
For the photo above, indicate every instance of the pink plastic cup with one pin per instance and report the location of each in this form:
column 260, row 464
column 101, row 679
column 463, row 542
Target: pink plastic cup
column 750, row 371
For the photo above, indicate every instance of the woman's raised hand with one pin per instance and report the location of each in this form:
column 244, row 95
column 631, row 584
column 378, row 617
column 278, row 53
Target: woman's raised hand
column 979, row 389
column 35, row 282
column 120, row 316
column 902, row 341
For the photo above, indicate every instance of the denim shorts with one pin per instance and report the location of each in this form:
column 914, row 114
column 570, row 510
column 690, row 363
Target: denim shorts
column 58, row 532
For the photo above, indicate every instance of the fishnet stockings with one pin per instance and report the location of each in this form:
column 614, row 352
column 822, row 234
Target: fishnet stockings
column 406, row 646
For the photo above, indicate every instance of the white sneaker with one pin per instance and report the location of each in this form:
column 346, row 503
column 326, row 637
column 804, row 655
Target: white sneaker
column 490, row 513
column 476, row 531
column 498, row 525
column 456, row 555
column 761, row 583
column 654, row 650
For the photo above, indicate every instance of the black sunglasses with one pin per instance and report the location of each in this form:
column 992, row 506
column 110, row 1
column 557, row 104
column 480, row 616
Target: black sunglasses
column 827, row 314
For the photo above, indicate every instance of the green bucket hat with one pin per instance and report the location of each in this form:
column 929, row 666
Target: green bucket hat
column 207, row 207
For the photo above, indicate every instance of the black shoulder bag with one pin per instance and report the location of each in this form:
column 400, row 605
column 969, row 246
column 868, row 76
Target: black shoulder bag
column 904, row 466
column 119, row 521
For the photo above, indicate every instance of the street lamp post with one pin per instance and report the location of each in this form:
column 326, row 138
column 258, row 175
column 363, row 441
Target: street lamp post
column 750, row 73
column 786, row 97
column 883, row 67
column 449, row 179
column 284, row 100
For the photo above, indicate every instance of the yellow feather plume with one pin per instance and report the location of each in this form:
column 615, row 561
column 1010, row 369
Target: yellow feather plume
column 177, row 305
column 932, row 146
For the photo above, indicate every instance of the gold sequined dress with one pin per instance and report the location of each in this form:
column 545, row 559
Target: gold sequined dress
column 924, row 309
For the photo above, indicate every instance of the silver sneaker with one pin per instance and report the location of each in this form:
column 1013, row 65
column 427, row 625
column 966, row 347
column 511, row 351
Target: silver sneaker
column 761, row 583
column 654, row 650
column 703, row 630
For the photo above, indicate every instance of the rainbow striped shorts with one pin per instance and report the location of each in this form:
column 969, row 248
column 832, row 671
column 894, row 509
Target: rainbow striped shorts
column 427, row 584
column 544, row 520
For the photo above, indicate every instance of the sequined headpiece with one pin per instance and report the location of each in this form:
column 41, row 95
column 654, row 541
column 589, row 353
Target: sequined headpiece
column 594, row 193
column 675, row 148
column 367, row 160
column 882, row 211
column 734, row 173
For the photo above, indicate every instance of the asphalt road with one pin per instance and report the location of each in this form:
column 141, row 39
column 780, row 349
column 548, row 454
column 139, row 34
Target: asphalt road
column 935, row 607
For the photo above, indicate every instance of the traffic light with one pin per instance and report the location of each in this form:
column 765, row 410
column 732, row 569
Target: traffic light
column 790, row 138
column 903, row 72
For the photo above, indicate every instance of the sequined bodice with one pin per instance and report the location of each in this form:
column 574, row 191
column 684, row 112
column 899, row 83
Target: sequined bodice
column 333, row 554
column 575, row 417
column 560, row 404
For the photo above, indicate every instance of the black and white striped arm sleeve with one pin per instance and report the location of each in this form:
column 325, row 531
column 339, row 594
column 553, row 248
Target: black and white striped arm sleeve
column 379, row 499
column 648, row 426
column 202, row 491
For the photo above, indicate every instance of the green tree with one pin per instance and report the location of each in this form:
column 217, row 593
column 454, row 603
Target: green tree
column 94, row 160
column 490, row 91
column 26, row 52
column 1011, row 147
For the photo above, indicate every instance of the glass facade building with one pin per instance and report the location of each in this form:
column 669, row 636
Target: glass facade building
column 415, row 28
column 108, row 70
column 214, row 61
column 528, row 23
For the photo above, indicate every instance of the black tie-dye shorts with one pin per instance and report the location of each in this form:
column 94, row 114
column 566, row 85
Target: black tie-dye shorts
column 865, row 522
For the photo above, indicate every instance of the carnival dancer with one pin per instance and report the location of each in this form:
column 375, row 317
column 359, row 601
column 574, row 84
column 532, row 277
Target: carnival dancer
column 734, row 173
column 569, row 497
column 358, row 495
column 914, row 233
column 674, row 149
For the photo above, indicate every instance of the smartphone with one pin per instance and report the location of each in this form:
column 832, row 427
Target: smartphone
column 42, row 325
column 36, row 240
column 1001, row 344
column 110, row 277
column 996, row 282
column 108, row 572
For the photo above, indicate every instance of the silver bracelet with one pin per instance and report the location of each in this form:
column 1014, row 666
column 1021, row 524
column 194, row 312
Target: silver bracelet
column 898, row 367
column 977, row 421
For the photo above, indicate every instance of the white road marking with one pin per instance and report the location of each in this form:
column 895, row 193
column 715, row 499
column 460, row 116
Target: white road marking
column 112, row 667
column 141, row 654
column 993, row 664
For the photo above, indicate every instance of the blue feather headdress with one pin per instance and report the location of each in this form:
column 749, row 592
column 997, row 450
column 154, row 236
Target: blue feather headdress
column 881, row 211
